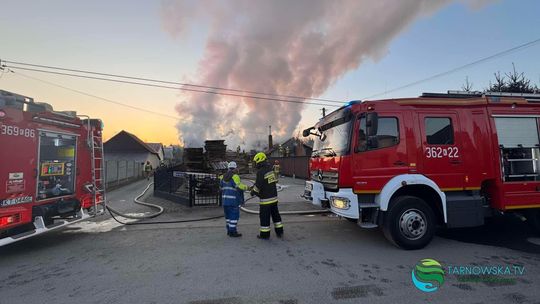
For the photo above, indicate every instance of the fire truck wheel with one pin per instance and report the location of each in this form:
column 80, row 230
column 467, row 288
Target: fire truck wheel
column 409, row 223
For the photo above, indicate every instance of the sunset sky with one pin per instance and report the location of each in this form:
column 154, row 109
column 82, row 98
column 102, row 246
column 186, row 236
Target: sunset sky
column 176, row 41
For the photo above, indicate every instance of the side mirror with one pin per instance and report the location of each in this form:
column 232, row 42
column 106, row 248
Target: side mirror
column 372, row 123
column 307, row 132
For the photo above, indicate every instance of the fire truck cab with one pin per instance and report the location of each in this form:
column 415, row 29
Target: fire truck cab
column 50, row 168
column 409, row 165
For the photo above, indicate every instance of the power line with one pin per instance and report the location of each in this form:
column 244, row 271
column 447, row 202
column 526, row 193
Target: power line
column 97, row 97
column 170, row 87
column 482, row 60
column 170, row 82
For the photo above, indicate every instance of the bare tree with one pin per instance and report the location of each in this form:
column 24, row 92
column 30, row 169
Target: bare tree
column 467, row 86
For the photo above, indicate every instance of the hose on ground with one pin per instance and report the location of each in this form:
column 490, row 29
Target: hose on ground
column 141, row 217
column 137, row 201
column 160, row 211
column 300, row 212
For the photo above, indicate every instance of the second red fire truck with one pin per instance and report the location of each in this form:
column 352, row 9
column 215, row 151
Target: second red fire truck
column 51, row 168
column 409, row 165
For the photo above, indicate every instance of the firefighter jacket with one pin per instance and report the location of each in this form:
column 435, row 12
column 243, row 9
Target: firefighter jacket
column 265, row 186
column 232, row 189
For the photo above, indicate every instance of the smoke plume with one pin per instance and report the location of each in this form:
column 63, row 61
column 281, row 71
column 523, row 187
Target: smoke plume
column 284, row 47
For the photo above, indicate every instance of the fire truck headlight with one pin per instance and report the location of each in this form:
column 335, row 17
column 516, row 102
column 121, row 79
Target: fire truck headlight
column 2, row 114
column 340, row 202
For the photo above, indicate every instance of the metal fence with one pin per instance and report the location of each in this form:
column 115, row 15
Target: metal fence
column 120, row 172
column 297, row 166
column 187, row 188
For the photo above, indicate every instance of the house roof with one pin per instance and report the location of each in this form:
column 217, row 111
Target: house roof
column 124, row 141
column 289, row 142
column 155, row 146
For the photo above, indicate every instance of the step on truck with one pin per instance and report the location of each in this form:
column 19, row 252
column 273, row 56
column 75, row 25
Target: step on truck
column 51, row 168
column 442, row 159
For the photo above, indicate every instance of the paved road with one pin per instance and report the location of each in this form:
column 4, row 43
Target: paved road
column 322, row 260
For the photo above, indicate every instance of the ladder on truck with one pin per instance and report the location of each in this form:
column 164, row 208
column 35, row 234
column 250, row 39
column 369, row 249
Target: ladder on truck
column 95, row 143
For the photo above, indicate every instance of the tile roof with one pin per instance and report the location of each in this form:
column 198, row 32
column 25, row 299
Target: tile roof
column 155, row 146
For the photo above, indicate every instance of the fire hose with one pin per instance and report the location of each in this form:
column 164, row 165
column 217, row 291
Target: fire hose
column 152, row 215
column 298, row 212
column 160, row 211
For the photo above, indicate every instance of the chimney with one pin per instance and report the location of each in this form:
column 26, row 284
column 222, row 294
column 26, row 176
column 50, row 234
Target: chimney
column 270, row 143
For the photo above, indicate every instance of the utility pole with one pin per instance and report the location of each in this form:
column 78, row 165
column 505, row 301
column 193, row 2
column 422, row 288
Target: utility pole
column 270, row 141
column 323, row 112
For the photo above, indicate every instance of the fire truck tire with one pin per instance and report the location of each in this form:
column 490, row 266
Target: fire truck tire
column 410, row 223
column 533, row 218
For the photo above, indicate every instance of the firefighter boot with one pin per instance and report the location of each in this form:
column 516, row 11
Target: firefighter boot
column 235, row 234
column 264, row 233
column 278, row 228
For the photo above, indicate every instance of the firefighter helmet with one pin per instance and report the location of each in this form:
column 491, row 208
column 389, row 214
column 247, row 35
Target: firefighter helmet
column 232, row 165
column 259, row 157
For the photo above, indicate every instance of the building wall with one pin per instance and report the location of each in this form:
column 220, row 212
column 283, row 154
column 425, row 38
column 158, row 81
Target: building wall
column 297, row 166
column 154, row 160
column 140, row 158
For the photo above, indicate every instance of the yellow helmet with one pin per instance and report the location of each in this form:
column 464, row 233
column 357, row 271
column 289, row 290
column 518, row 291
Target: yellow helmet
column 259, row 157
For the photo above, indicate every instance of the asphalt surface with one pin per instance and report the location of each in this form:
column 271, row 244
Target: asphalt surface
column 322, row 259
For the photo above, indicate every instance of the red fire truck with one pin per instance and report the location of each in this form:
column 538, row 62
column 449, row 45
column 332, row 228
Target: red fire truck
column 409, row 165
column 51, row 172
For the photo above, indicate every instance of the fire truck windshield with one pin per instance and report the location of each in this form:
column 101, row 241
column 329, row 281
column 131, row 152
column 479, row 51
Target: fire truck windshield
column 333, row 139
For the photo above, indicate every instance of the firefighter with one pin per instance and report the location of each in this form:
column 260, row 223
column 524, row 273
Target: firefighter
column 232, row 193
column 265, row 188
column 147, row 170
column 277, row 169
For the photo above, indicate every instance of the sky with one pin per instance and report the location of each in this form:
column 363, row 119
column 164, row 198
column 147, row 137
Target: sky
column 345, row 51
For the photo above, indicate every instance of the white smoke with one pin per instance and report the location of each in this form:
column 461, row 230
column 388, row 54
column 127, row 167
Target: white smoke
column 284, row 47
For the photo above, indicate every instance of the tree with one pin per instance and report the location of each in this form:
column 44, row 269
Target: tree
column 513, row 82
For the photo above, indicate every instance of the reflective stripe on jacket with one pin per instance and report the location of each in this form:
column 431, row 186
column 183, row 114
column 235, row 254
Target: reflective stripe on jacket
column 229, row 193
column 232, row 189
column 265, row 186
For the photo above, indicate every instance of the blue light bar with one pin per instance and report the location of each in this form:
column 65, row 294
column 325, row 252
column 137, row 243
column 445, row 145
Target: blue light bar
column 353, row 102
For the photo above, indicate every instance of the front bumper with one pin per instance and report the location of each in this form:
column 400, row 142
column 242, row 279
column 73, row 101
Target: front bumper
column 314, row 192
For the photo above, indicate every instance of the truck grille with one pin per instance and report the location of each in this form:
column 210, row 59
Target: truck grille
column 327, row 178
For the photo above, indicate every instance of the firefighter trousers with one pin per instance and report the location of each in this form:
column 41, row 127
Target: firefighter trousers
column 232, row 214
column 265, row 212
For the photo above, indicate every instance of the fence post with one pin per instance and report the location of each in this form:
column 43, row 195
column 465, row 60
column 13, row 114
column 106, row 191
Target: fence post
column 191, row 192
column 220, row 197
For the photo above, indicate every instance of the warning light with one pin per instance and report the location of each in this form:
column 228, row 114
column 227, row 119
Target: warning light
column 2, row 114
column 8, row 220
